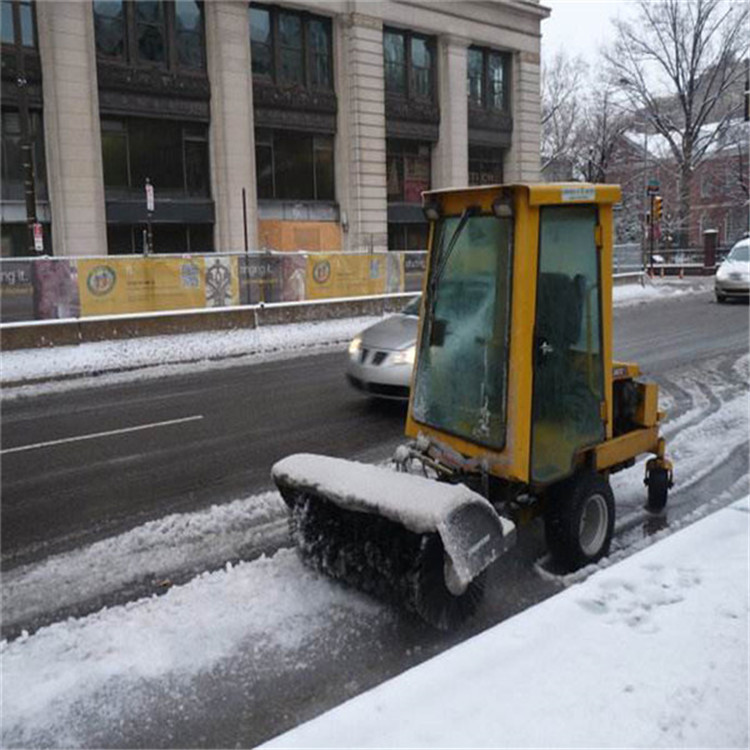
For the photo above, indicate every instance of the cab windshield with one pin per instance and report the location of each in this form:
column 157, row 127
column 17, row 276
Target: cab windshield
column 460, row 385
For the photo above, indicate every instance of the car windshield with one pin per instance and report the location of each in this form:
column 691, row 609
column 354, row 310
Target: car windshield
column 460, row 386
column 413, row 307
column 741, row 252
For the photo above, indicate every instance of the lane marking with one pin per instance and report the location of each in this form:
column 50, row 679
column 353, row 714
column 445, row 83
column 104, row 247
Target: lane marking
column 95, row 435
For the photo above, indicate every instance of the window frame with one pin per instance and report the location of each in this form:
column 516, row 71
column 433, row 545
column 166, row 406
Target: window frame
column 131, row 56
column 122, row 125
column 268, row 141
column 408, row 37
column 506, row 59
column 17, row 43
column 38, row 152
column 399, row 148
column 483, row 156
column 307, row 50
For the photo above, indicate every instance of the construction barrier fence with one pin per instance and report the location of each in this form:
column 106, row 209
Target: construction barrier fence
column 64, row 288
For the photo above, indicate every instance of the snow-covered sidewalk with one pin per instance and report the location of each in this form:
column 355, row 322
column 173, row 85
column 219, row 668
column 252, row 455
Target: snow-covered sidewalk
column 651, row 652
column 158, row 356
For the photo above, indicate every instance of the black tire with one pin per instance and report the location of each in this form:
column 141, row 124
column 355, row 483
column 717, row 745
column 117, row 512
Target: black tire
column 658, row 487
column 432, row 600
column 721, row 298
column 579, row 520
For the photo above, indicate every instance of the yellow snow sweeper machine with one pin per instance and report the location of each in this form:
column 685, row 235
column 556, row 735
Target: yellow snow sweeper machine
column 516, row 409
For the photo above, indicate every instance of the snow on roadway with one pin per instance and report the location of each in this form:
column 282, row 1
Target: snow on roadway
column 160, row 356
column 267, row 606
column 697, row 440
column 652, row 652
column 155, row 550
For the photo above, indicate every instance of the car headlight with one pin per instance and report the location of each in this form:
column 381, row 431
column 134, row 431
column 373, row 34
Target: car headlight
column 405, row 357
column 355, row 345
column 722, row 273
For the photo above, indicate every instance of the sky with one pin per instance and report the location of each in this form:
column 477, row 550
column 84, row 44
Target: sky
column 580, row 27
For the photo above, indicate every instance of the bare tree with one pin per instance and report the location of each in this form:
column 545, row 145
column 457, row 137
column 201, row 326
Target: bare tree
column 602, row 129
column 561, row 113
column 676, row 62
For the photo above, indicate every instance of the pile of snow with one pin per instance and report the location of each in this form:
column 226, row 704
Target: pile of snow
column 155, row 550
column 652, row 652
column 268, row 607
column 655, row 289
column 377, row 489
column 202, row 350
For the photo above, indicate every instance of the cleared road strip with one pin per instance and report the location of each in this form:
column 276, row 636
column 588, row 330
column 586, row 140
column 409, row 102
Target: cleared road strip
column 94, row 435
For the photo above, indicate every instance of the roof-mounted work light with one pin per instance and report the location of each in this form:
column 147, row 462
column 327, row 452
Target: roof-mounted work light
column 502, row 208
column 431, row 210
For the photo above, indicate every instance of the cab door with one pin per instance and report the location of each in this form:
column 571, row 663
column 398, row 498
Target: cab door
column 568, row 389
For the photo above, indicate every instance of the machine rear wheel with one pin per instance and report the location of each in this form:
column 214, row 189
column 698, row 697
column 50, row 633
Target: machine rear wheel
column 432, row 600
column 579, row 520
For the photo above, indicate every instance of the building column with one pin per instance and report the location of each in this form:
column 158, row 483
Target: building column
column 450, row 157
column 71, row 128
column 232, row 139
column 360, row 142
column 522, row 163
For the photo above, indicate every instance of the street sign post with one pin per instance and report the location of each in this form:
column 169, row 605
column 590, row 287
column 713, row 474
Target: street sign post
column 149, row 213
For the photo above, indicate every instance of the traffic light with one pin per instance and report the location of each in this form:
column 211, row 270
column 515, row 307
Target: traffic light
column 657, row 208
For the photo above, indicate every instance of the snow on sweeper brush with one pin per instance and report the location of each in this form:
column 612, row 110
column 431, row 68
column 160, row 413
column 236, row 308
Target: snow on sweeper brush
column 516, row 409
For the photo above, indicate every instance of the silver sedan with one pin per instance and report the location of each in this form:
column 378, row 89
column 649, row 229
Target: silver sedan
column 733, row 275
column 381, row 358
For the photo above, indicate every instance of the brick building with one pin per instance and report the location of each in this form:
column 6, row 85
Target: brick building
column 312, row 126
column 719, row 194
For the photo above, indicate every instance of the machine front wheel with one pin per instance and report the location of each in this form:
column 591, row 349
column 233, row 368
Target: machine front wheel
column 658, row 487
column 579, row 520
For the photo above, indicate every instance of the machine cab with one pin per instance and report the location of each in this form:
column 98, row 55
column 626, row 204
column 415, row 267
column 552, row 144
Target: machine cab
column 514, row 353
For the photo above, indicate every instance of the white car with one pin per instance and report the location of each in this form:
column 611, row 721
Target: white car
column 381, row 358
column 733, row 275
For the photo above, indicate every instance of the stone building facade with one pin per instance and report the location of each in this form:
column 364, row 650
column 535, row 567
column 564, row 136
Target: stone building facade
column 305, row 126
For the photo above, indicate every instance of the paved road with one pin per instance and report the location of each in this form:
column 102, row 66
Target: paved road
column 185, row 442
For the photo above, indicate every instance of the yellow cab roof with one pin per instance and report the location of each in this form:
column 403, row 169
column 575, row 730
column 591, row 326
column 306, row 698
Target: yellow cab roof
column 540, row 193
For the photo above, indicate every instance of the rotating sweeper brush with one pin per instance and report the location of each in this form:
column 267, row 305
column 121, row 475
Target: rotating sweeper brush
column 401, row 537
column 517, row 409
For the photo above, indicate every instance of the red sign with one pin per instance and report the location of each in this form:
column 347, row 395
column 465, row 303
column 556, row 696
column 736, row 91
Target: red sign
column 38, row 238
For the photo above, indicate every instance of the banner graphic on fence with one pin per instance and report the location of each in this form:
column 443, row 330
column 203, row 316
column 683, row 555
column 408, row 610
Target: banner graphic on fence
column 119, row 286
column 294, row 274
column 222, row 282
column 261, row 279
column 415, row 265
column 56, row 289
column 394, row 273
column 345, row 275
column 16, row 291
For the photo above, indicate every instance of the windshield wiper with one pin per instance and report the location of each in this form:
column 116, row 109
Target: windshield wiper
column 443, row 262
column 440, row 269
